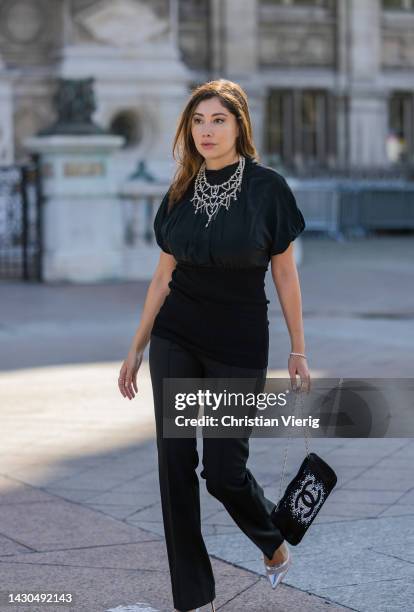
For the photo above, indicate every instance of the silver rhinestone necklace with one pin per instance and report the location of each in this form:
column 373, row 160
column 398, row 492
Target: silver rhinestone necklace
column 210, row 198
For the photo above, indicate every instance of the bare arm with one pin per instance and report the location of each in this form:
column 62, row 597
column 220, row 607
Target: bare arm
column 286, row 279
column 157, row 291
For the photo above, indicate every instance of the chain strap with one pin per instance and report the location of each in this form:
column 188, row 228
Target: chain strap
column 300, row 395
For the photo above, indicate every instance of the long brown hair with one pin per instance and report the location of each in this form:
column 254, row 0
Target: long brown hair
column 189, row 160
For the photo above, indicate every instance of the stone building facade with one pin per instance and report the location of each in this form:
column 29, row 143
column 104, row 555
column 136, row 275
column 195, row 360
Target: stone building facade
column 330, row 82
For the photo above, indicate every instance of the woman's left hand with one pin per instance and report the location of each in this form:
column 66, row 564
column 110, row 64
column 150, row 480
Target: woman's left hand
column 298, row 366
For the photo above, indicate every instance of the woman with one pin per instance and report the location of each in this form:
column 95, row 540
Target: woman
column 224, row 217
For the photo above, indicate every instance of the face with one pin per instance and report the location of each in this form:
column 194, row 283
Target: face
column 214, row 129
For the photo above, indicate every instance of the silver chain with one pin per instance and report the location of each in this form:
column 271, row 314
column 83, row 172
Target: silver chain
column 210, row 198
column 282, row 478
column 306, row 435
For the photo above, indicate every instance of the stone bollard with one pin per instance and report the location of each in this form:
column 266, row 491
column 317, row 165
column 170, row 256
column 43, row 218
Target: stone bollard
column 82, row 221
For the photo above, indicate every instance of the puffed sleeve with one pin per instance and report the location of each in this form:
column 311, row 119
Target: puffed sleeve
column 287, row 220
column 158, row 223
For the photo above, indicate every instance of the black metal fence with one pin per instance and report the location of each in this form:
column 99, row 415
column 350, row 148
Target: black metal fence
column 21, row 221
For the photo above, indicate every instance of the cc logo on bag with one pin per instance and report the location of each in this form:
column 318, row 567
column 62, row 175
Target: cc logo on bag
column 308, row 497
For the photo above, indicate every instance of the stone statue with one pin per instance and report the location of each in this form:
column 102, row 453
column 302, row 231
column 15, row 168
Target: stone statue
column 74, row 102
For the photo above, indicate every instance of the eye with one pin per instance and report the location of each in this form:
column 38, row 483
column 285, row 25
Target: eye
column 197, row 119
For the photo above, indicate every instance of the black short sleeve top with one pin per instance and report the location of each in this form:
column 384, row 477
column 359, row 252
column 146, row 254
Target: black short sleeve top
column 217, row 305
column 262, row 222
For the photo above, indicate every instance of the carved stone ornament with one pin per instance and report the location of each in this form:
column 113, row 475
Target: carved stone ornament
column 23, row 20
column 121, row 23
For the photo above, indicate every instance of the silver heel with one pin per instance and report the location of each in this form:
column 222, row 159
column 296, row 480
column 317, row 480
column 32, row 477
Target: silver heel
column 277, row 572
column 213, row 609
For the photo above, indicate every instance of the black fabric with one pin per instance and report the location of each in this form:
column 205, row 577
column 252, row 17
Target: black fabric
column 217, row 304
column 225, row 471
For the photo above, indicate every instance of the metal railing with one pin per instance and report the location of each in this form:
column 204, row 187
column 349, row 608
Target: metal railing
column 345, row 207
column 21, row 221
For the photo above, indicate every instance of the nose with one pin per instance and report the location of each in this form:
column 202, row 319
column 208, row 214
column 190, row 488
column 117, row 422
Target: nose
column 207, row 128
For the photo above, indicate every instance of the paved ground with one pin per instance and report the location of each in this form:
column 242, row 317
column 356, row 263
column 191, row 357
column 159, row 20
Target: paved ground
column 79, row 505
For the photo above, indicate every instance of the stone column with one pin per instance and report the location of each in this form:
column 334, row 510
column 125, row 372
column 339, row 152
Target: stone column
column 6, row 117
column 234, row 26
column 83, row 238
column 216, row 42
column 240, row 38
column 360, row 72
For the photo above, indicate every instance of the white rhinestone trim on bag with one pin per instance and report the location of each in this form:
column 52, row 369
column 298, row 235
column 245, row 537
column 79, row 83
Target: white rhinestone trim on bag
column 306, row 500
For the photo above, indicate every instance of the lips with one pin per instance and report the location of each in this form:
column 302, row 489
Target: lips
column 208, row 144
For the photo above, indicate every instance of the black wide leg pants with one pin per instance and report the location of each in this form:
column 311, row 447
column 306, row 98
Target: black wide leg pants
column 224, row 469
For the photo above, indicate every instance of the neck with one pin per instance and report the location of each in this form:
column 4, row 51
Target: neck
column 217, row 164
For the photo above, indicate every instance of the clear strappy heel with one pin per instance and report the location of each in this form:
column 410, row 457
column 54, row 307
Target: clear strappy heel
column 277, row 572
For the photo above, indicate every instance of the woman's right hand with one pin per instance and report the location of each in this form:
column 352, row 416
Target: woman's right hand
column 127, row 380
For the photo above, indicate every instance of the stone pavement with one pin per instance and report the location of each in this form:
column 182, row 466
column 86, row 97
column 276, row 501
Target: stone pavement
column 79, row 502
